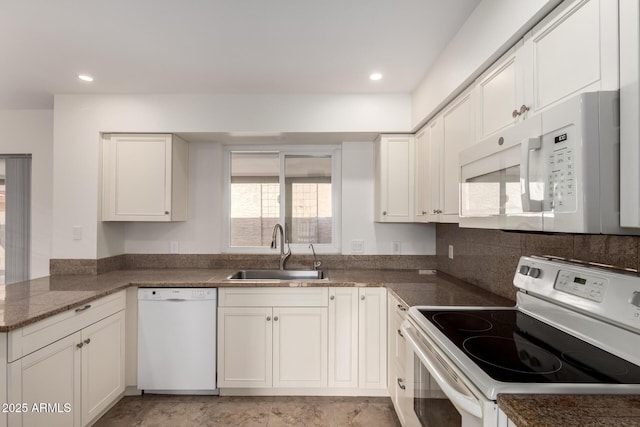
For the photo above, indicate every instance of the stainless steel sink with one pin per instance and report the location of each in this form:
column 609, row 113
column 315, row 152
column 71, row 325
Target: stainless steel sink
column 279, row 275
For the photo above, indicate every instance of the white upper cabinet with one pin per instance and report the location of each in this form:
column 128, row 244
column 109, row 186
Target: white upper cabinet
column 629, row 113
column 428, row 193
column 394, row 178
column 573, row 50
column 421, row 184
column 144, row 178
column 499, row 94
column 458, row 134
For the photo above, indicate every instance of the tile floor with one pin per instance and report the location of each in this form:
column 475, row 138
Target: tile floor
column 164, row 410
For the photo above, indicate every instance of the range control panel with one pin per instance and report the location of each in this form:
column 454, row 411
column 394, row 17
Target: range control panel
column 582, row 285
column 609, row 294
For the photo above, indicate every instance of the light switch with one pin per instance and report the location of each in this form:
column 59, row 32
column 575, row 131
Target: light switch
column 76, row 232
column 357, row 246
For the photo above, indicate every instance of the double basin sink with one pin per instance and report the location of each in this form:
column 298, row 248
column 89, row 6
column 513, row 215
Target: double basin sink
column 293, row 275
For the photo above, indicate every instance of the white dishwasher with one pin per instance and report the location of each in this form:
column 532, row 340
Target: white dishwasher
column 177, row 340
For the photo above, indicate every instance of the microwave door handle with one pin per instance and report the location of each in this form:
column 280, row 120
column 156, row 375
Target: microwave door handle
column 527, row 146
column 464, row 402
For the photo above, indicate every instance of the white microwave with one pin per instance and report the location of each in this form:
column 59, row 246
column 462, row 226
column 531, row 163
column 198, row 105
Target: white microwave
column 557, row 171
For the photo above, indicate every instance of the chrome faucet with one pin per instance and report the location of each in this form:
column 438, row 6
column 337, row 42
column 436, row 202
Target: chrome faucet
column 283, row 255
column 316, row 263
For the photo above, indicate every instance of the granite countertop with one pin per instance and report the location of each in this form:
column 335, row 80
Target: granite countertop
column 571, row 410
column 33, row 300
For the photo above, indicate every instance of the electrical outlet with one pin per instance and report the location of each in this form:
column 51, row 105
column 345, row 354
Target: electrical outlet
column 175, row 247
column 357, row 246
column 397, row 246
column 450, row 251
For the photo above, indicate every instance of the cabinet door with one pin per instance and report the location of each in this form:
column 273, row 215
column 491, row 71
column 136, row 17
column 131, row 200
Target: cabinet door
column 498, row 93
column 300, row 347
column 394, row 178
column 343, row 337
column 573, row 50
column 245, row 346
column 372, row 345
column 137, row 178
column 102, row 365
column 458, row 122
column 421, row 184
column 434, row 192
column 49, row 379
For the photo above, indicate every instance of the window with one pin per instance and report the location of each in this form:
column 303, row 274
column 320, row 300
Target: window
column 296, row 189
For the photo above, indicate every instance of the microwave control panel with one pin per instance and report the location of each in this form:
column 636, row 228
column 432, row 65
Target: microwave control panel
column 561, row 180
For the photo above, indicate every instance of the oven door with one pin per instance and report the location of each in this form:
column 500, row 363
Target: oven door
column 501, row 183
column 436, row 394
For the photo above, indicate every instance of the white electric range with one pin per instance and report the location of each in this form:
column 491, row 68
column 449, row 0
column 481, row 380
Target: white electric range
column 575, row 329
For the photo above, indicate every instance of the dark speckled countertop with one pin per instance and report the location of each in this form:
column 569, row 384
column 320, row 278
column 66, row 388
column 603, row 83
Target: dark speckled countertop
column 571, row 410
column 27, row 302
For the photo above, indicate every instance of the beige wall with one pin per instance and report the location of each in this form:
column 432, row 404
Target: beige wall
column 31, row 132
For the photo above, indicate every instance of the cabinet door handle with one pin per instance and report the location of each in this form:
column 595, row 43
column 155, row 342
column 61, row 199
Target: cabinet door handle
column 87, row 341
column 402, row 307
column 268, row 318
column 79, row 345
column 86, row 307
column 166, row 212
column 523, row 109
column 384, row 213
column 400, row 333
column 275, row 318
column 402, row 386
column 362, row 297
column 332, row 297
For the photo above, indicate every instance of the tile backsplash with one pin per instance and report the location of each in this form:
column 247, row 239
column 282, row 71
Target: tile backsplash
column 238, row 261
column 488, row 258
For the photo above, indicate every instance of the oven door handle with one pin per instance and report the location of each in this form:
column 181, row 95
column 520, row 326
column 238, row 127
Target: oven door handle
column 460, row 400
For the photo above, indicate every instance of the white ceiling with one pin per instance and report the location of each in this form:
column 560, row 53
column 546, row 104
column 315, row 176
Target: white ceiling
column 219, row 46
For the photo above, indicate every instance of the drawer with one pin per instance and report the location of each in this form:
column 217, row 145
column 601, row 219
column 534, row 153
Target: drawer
column 273, row 297
column 37, row 335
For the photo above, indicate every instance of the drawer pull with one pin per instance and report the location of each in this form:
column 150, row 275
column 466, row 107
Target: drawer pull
column 80, row 345
column 86, row 307
column 87, row 341
column 402, row 386
column 402, row 307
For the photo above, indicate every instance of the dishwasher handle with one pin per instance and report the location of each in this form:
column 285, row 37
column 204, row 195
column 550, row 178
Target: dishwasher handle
column 174, row 299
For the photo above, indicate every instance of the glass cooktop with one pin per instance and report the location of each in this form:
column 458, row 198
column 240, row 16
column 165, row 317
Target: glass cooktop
column 511, row 346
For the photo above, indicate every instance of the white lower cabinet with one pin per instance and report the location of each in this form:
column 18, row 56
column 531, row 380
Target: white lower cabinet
column 245, row 346
column 335, row 339
column 372, row 338
column 68, row 381
column 50, row 375
column 343, row 337
column 396, row 352
column 272, row 347
column 102, row 364
column 300, row 347
column 264, row 347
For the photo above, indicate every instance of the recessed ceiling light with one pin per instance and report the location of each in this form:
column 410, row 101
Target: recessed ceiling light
column 375, row 76
column 85, row 78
